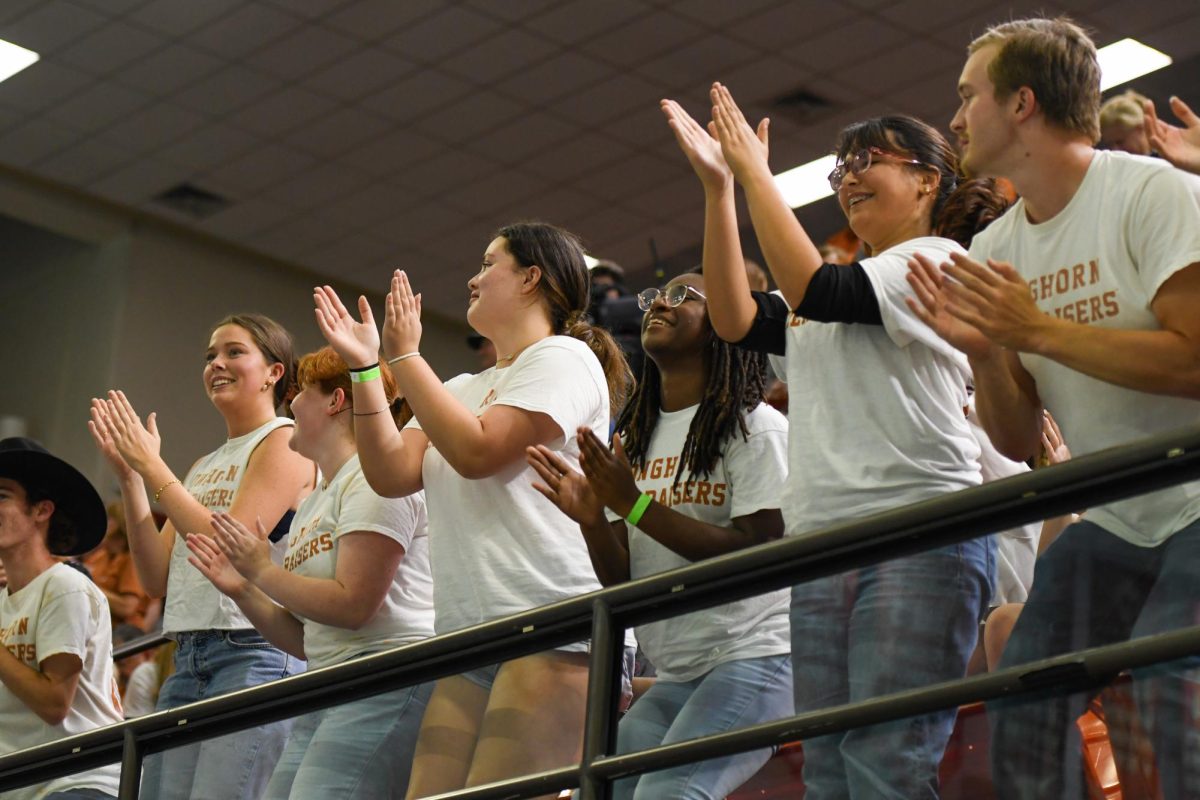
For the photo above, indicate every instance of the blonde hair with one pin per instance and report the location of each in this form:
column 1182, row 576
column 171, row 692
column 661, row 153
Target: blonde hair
column 1057, row 60
column 1123, row 110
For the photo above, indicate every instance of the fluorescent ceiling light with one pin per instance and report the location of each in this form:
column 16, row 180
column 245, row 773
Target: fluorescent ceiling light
column 14, row 58
column 806, row 183
column 1128, row 59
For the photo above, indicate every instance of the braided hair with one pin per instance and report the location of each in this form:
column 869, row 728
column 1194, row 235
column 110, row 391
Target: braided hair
column 735, row 385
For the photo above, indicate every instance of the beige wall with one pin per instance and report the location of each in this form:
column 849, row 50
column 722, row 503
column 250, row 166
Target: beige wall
column 93, row 297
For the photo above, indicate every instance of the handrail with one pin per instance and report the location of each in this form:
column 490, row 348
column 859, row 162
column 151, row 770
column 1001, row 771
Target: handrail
column 1102, row 477
column 140, row 644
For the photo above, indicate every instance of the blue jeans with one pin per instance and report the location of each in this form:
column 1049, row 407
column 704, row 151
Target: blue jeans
column 904, row 624
column 731, row 695
column 231, row 767
column 1092, row 588
column 360, row 750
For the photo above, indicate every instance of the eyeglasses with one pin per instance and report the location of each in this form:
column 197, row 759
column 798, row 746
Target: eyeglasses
column 673, row 295
column 860, row 162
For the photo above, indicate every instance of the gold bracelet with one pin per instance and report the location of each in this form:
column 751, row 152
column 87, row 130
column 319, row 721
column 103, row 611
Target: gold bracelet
column 163, row 488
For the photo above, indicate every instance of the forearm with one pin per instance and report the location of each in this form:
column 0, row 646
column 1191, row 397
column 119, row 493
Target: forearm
column 451, row 427
column 325, row 601
column 791, row 255
column 273, row 621
column 1011, row 418
column 49, row 699
column 730, row 306
column 610, row 557
column 381, row 448
column 1156, row 362
column 689, row 537
column 149, row 547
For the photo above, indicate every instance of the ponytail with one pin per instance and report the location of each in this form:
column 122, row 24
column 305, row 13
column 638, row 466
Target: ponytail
column 617, row 373
column 970, row 208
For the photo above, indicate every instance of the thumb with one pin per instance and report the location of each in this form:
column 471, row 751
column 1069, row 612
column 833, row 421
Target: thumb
column 1185, row 114
column 364, row 310
column 619, row 449
column 763, row 130
column 258, row 526
column 152, row 424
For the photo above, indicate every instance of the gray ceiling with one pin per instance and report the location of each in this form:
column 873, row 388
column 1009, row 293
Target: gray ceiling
column 354, row 136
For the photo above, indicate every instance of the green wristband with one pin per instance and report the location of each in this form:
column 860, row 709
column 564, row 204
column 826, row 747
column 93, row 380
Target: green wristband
column 362, row 376
column 639, row 508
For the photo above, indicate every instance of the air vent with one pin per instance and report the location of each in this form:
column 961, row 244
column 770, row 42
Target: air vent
column 801, row 105
column 192, row 201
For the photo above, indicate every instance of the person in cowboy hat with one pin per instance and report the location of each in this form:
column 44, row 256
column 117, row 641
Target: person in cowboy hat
column 56, row 673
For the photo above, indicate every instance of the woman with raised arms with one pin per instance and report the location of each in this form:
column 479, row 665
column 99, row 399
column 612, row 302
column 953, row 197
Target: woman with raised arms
column 497, row 546
column 249, row 370
column 704, row 474
column 875, row 419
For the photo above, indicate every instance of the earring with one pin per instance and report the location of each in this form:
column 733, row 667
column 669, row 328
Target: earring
column 267, row 385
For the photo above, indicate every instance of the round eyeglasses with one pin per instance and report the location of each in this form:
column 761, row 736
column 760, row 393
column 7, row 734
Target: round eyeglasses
column 673, row 295
column 860, row 161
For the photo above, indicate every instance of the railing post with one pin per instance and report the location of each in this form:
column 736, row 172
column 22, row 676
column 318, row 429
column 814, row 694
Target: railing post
column 131, row 767
column 600, row 724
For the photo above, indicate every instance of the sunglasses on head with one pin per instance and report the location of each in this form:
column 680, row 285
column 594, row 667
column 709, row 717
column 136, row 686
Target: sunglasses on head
column 673, row 295
column 860, row 161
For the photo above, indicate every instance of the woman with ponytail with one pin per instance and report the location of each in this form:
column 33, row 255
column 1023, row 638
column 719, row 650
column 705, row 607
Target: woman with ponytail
column 254, row 478
column 875, row 418
column 497, row 546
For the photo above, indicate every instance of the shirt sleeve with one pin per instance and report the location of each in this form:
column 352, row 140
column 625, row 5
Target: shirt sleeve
column 1164, row 228
column 66, row 622
column 454, row 386
column 560, row 380
column 840, row 294
column 756, row 467
column 363, row 510
column 768, row 332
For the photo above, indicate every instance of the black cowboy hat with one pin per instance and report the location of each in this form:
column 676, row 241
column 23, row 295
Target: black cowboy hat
column 28, row 463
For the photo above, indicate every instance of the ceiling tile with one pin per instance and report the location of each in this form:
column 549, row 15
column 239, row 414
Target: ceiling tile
column 351, row 254
column 718, row 13
column 296, row 236
column 368, row 69
column 12, row 117
column 12, row 9
column 514, row 10
column 371, row 20
column 828, row 52
column 420, row 222
column 605, row 224
column 435, row 176
column 681, row 191
column 312, row 9
column 261, row 167
column 169, row 70
column 84, row 161
column 642, row 39
column 175, row 18
column 557, row 76
column 642, row 127
column 528, row 134
column 391, row 151
column 206, row 147
column 491, row 195
column 245, row 30
column 697, row 63
column 282, row 111
column 42, row 85
column 760, row 82
column 244, row 218
column 152, row 127
column 494, row 58
column 226, row 90
column 607, row 100
column 1132, row 19
column 52, row 25
column 377, row 205
column 110, row 47
column 555, row 206
column 880, row 75
column 632, row 174
column 34, row 140
column 578, row 20
column 302, row 52
column 793, row 24
column 924, row 15
column 98, row 106
column 329, row 135
column 139, row 181
column 320, row 185
column 566, row 161
column 473, row 115
column 441, row 34
column 110, row 7
column 416, row 94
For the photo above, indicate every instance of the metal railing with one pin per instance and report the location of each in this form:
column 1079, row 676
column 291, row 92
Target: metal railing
column 1086, row 481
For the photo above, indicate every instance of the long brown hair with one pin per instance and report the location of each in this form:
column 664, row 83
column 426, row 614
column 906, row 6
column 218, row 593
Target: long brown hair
column 565, row 287
column 277, row 347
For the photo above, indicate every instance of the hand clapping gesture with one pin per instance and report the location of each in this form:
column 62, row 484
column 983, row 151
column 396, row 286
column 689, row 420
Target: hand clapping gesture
column 104, row 441
column 207, row 557
column 402, row 318
column 745, row 149
column 702, row 148
column 1180, row 146
column 932, row 307
column 121, row 436
column 356, row 342
column 248, row 553
column 565, row 486
column 608, row 472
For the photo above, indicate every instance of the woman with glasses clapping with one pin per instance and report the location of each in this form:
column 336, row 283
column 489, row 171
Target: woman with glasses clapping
column 875, row 418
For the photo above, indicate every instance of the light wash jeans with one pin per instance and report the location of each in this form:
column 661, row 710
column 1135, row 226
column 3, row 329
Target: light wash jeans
column 358, row 751
column 731, row 695
column 1092, row 588
column 903, row 624
column 232, row 767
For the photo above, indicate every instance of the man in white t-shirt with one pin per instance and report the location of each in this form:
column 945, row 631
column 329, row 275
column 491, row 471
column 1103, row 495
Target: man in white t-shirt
column 1082, row 298
column 56, row 673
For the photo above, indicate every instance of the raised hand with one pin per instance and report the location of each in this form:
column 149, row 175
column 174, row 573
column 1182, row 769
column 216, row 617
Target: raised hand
column 213, row 564
column 702, row 148
column 138, row 445
column 98, row 426
column 745, row 148
column 932, row 308
column 249, row 554
column 608, row 472
column 564, row 486
column 1180, row 146
column 402, row 318
column 356, row 342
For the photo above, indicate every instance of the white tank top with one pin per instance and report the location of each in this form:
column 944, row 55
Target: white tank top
column 193, row 603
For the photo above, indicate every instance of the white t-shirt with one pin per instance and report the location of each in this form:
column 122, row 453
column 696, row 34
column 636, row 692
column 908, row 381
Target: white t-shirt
column 60, row 611
column 141, row 693
column 1133, row 223
column 875, row 413
column 193, row 603
column 1016, row 548
column 497, row 547
column 749, row 477
column 346, row 504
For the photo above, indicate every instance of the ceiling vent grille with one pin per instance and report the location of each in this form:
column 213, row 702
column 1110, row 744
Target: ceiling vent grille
column 801, row 105
column 192, row 201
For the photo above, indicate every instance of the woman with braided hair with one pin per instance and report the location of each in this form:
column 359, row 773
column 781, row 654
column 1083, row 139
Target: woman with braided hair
column 497, row 547
column 697, row 469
